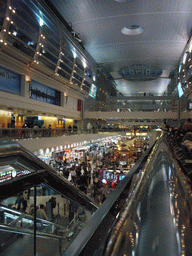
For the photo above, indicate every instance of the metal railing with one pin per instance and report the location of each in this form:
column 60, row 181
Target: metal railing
column 7, row 134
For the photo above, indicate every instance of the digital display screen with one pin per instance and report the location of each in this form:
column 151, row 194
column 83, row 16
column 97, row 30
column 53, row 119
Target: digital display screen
column 180, row 90
column 109, row 175
column 121, row 177
column 93, row 91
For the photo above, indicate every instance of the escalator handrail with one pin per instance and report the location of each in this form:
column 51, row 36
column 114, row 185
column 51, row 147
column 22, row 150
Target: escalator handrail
column 29, row 232
column 25, row 215
column 14, row 150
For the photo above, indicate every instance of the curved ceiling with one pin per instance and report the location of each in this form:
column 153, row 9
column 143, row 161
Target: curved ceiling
column 166, row 29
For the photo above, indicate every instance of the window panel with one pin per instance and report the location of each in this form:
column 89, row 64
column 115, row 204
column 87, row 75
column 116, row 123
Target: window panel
column 28, row 13
column 66, row 68
column 47, row 59
column 64, row 74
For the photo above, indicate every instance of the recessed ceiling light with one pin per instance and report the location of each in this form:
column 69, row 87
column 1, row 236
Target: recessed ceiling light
column 132, row 30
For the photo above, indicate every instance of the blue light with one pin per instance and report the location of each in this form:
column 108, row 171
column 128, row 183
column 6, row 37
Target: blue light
column 180, row 90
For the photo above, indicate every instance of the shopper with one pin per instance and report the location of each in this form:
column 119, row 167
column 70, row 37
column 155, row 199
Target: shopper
column 69, row 129
column 187, row 126
column 49, row 131
column 104, row 193
column 21, row 203
column 83, row 183
column 73, row 175
column 164, row 125
column 41, row 212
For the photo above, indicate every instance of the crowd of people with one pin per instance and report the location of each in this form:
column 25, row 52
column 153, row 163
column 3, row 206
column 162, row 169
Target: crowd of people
column 22, row 204
column 182, row 135
column 84, row 173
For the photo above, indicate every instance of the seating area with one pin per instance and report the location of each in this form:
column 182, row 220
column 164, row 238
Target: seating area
column 182, row 153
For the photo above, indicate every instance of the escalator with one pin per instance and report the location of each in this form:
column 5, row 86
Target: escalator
column 27, row 184
column 149, row 212
column 17, row 234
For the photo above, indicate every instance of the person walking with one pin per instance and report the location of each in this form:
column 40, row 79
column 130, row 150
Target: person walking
column 187, row 126
column 83, row 183
column 104, row 192
column 73, row 175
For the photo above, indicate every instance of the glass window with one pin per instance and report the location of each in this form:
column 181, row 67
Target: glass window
column 64, row 74
column 52, row 28
column 68, row 57
column 45, row 60
column 48, row 54
column 85, row 88
column 87, row 84
column 51, row 40
column 78, row 77
column 76, row 82
column 65, row 68
column 22, row 24
column 79, row 66
column 20, row 41
column 26, row 15
column 67, row 61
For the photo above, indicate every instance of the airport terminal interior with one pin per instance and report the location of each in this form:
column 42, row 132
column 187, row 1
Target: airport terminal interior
column 95, row 127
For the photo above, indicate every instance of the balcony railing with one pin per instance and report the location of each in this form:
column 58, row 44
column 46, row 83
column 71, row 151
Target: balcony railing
column 7, row 134
column 23, row 133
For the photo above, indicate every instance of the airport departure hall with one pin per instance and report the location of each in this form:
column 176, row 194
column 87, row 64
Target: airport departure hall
column 95, row 128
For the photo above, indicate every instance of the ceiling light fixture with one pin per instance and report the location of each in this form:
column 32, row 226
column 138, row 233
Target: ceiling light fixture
column 132, row 30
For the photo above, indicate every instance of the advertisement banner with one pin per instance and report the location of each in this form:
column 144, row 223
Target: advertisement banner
column 9, row 81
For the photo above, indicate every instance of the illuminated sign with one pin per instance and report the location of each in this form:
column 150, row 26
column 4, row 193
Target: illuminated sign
column 93, row 91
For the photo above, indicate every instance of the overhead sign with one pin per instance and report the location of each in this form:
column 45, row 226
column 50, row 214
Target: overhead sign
column 140, row 72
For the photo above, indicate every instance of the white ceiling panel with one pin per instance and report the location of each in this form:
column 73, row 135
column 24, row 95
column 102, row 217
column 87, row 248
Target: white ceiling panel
column 167, row 26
